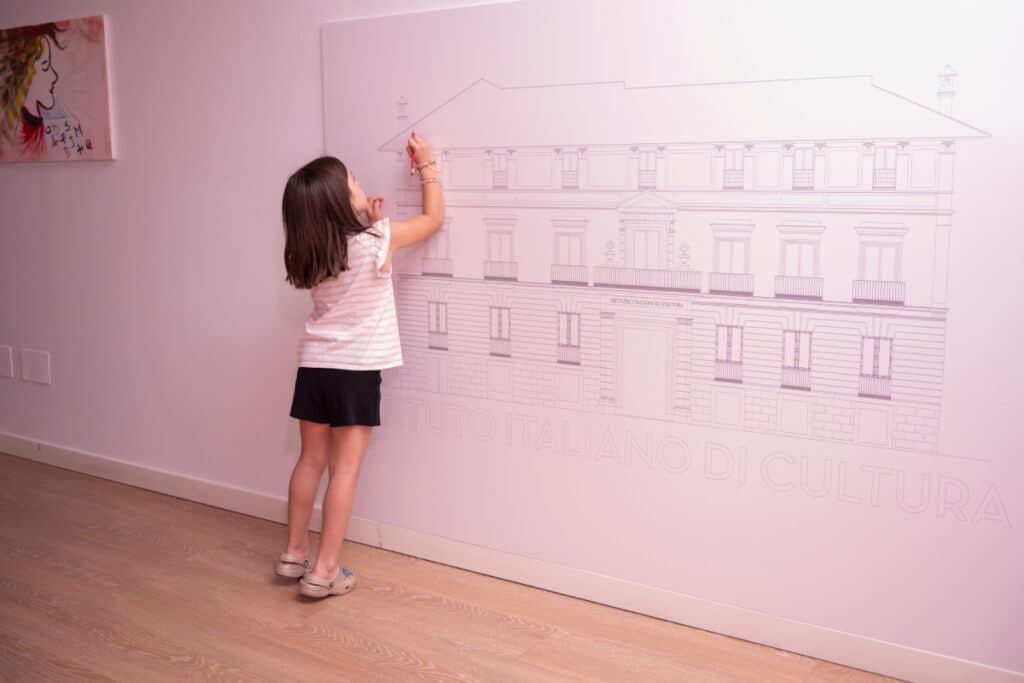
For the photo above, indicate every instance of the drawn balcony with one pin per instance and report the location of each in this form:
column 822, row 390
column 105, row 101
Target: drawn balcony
column 884, row 179
column 563, row 274
column 568, row 354
column 796, row 378
column 728, row 371
column 879, row 292
column 799, row 287
column 647, row 278
column 501, row 347
column 648, row 179
column 499, row 181
column 741, row 284
column 439, row 267
column 732, row 179
column 875, row 387
column 501, row 270
column 803, row 179
column 437, row 340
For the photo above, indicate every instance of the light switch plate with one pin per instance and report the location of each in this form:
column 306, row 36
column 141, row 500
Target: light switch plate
column 35, row 366
column 6, row 361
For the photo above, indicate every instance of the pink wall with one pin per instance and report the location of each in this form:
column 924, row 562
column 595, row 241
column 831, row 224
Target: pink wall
column 155, row 282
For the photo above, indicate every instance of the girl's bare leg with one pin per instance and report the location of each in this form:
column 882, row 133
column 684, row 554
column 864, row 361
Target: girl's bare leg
column 304, row 483
column 345, row 457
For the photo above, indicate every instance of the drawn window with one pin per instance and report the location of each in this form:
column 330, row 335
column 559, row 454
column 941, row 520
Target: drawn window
column 648, row 170
column 499, row 246
column 646, row 244
column 731, row 255
column 437, row 317
column 796, row 349
column 800, row 258
column 885, row 157
column 733, row 174
column 879, row 262
column 500, row 319
column 876, row 357
column 570, row 161
column 570, row 169
column 569, row 329
column 884, row 177
column 803, row 168
column 729, row 345
column 648, row 161
column 499, row 169
column 569, row 247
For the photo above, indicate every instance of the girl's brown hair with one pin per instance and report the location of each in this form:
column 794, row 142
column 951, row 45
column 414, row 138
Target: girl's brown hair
column 318, row 219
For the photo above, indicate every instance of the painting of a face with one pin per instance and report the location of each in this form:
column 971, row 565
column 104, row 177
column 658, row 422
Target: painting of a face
column 54, row 94
column 41, row 89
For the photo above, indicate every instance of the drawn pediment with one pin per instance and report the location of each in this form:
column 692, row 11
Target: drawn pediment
column 647, row 203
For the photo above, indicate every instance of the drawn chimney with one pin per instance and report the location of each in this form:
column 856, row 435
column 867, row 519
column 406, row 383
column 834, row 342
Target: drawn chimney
column 402, row 104
column 946, row 92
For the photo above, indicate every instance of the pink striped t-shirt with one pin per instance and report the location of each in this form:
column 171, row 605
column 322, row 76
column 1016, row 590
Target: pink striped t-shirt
column 353, row 325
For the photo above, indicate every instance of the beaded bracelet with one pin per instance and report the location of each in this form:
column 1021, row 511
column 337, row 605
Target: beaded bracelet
column 432, row 162
column 430, row 180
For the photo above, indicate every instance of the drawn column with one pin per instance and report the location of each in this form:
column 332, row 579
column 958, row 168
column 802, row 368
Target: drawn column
column 902, row 166
column 819, row 166
column 787, row 167
column 681, row 401
column 749, row 159
column 867, row 167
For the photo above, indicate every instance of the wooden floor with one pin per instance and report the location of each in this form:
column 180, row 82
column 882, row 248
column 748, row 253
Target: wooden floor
column 101, row 581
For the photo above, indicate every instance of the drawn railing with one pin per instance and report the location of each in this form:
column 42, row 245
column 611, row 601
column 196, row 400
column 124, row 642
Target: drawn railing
column 728, row 371
column 501, row 347
column 437, row 340
column 731, row 283
column 570, row 180
column 879, row 291
column 568, row 354
column 803, row 179
column 796, row 378
column 799, row 286
column 875, row 387
column 648, row 179
column 501, row 270
column 499, row 181
column 733, row 179
column 884, row 179
column 562, row 273
column 647, row 278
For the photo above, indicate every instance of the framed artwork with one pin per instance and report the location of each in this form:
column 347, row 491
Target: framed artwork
column 54, row 92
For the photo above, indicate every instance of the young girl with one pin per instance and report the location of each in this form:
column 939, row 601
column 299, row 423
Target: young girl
column 350, row 336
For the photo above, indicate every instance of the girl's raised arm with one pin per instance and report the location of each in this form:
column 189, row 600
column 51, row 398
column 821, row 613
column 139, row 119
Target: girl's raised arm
column 410, row 231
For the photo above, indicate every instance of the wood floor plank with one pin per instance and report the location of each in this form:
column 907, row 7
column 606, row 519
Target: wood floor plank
column 100, row 581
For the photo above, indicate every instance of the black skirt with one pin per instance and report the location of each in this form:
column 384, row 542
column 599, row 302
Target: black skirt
column 337, row 397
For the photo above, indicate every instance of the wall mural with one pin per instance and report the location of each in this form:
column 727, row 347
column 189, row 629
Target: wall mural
column 701, row 317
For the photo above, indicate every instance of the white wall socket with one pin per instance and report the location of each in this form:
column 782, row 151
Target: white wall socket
column 35, row 366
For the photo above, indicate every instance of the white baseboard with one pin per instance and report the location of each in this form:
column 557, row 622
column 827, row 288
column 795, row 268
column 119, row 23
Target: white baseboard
column 849, row 649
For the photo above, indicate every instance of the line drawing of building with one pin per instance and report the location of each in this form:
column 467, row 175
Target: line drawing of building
column 769, row 256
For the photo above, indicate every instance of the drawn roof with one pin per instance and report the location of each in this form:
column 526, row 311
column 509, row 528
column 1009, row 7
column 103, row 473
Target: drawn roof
column 829, row 108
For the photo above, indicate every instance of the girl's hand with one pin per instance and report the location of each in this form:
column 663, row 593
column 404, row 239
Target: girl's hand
column 373, row 209
column 419, row 149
